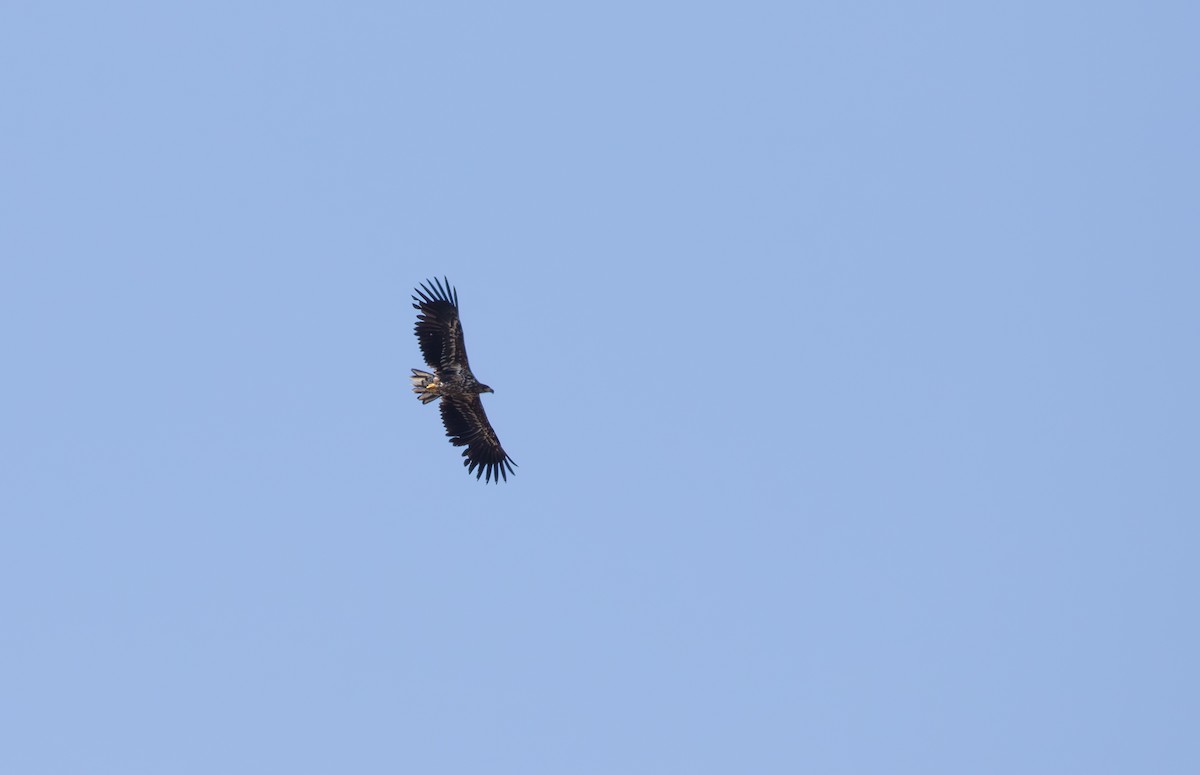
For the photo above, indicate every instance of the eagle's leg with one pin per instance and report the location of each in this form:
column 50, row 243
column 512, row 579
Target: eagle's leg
column 425, row 385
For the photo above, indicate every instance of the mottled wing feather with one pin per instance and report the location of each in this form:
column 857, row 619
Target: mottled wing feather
column 467, row 426
column 438, row 328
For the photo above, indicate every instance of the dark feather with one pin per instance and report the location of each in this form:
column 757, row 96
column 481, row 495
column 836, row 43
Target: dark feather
column 438, row 328
column 467, row 426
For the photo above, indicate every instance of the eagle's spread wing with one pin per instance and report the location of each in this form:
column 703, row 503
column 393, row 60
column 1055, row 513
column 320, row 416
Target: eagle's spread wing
column 467, row 426
column 438, row 328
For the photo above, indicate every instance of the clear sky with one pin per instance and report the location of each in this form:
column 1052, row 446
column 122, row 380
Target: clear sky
column 848, row 352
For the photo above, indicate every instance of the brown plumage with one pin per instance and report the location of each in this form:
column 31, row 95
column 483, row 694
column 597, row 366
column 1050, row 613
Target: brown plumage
column 440, row 335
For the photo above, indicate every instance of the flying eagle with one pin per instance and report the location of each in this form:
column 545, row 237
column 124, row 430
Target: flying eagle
column 439, row 332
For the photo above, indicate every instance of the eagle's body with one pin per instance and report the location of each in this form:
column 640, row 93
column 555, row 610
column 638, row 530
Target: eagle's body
column 439, row 333
column 446, row 383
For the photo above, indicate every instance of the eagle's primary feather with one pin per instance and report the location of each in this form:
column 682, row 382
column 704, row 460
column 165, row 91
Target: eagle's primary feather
column 439, row 332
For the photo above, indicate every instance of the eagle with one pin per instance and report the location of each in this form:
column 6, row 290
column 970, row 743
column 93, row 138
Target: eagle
column 439, row 332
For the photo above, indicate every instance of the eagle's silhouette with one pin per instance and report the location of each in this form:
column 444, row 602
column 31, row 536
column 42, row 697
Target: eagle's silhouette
column 439, row 332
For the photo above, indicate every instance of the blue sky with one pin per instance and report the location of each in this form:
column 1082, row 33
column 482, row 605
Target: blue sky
column 847, row 350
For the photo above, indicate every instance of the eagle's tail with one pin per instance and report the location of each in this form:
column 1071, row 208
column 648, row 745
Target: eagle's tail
column 425, row 385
